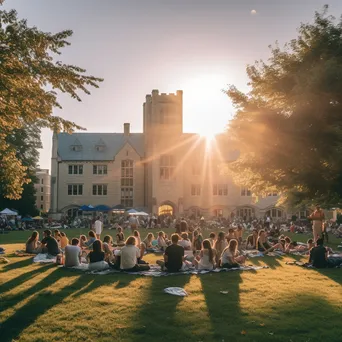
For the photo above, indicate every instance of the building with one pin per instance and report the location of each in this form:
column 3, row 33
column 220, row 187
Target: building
column 43, row 193
column 162, row 169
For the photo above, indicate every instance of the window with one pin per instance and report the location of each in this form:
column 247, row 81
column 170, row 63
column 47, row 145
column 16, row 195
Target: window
column 42, row 181
column 75, row 189
column 272, row 194
column 275, row 213
column 127, row 183
column 218, row 212
column 41, row 206
column 41, row 198
column 246, row 192
column 100, row 189
column 99, row 169
column 246, row 213
column 41, row 189
column 167, row 166
column 127, row 197
column 76, row 148
column 220, row 190
column 75, row 169
column 195, row 190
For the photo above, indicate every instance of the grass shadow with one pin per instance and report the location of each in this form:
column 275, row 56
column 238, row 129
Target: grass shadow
column 19, row 264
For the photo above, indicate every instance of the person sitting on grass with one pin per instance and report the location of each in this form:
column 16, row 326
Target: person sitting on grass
column 231, row 235
column 252, row 239
column 185, row 242
column 83, row 240
column 128, row 257
column 64, row 241
column 136, row 234
column 206, row 258
column 91, row 239
column 57, row 235
column 72, row 254
column 263, row 245
column 96, row 257
column 120, row 237
column 220, row 245
column 49, row 244
column 197, row 240
column 161, row 241
column 231, row 257
column 239, row 233
column 173, row 256
column 33, row 244
column 212, row 239
column 319, row 256
column 107, row 247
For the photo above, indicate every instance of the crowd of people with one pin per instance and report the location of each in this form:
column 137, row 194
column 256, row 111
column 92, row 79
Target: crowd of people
column 185, row 248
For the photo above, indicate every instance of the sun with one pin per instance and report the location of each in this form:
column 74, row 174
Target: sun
column 208, row 134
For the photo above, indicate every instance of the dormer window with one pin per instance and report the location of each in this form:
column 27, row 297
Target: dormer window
column 100, row 146
column 76, row 146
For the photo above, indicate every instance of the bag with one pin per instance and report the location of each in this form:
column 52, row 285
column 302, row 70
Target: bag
column 60, row 259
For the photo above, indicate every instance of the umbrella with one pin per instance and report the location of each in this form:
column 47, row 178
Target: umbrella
column 27, row 219
column 118, row 207
column 37, row 218
column 87, row 208
column 141, row 213
column 8, row 212
column 102, row 208
column 132, row 211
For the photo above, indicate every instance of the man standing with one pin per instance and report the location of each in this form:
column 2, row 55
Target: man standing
column 134, row 223
column 98, row 228
column 317, row 218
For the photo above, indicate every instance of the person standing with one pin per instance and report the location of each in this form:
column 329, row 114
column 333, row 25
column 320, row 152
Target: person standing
column 98, row 228
column 317, row 218
column 134, row 223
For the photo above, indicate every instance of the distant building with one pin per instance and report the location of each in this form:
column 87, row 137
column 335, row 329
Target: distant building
column 162, row 170
column 43, row 193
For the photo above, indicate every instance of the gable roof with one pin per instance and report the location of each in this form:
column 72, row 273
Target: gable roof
column 113, row 142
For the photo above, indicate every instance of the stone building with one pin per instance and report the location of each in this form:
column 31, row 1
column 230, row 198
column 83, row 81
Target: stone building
column 161, row 170
column 43, row 193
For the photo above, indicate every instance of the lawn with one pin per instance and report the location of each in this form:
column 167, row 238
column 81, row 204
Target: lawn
column 282, row 303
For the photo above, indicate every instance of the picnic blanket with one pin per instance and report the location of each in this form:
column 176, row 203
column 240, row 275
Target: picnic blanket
column 44, row 258
column 155, row 271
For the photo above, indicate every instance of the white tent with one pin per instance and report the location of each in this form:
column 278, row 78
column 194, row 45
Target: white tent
column 141, row 213
column 132, row 211
column 8, row 212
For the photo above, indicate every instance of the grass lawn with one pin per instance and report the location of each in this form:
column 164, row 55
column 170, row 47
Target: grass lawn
column 282, row 303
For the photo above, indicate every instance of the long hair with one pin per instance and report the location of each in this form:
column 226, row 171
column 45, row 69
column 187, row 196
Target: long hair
column 232, row 246
column 33, row 237
column 207, row 245
column 261, row 231
column 130, row 241
column 97, row 246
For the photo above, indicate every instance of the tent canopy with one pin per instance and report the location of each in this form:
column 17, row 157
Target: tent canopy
column 27, row 219
column 118, row 207
column 141, row 213
column 132, row 211
column 8, row 212
column 102, row 208
column 37, row 218
column 87, row 208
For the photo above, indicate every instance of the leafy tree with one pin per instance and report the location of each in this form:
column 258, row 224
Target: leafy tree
column 26, row 142
column 289, row 125
column 30, row 80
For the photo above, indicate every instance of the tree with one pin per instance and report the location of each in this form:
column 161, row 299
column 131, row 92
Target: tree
column 26, row 142
column 289, row 125
column 30, row 80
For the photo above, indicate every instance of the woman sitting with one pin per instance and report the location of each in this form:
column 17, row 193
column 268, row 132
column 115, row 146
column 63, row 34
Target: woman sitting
column 83, row 240
column 230, row 257
column 206, row 259
column 120, row 237
column 197, row 240
column 107, row 247
column 212, row 239
column 185, row 242
column 231, row 235
column 136, row 234
column 129, row 255
column 57, row 236
column 252, row 239
column 263, row 245
column 91, row 239
column 64, row 241
column 220, row 245
column 96, row 257
column 33, row 244
column 161, row 241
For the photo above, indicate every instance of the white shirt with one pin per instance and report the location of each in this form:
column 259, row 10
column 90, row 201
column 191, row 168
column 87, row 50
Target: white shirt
column 129, row 256
column 186, row 244
column 72, row 256
column 133, row 220
column 98, row 227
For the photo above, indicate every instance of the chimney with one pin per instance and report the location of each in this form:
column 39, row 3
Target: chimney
column 126, row 129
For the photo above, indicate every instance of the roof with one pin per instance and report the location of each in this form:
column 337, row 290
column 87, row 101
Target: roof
column 112, row 142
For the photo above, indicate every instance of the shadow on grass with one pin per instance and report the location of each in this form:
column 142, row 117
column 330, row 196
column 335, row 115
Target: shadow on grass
column 271, row 262
column 24, row 277
column 19, row 264
column 164, row 307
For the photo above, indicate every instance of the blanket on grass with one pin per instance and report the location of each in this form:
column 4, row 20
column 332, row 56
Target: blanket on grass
column 155, row 270
column 44, row 258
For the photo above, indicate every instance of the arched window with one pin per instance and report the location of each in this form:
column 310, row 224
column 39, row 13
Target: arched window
column 127, row 182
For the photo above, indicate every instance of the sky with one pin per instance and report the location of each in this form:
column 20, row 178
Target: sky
column 198, row 46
